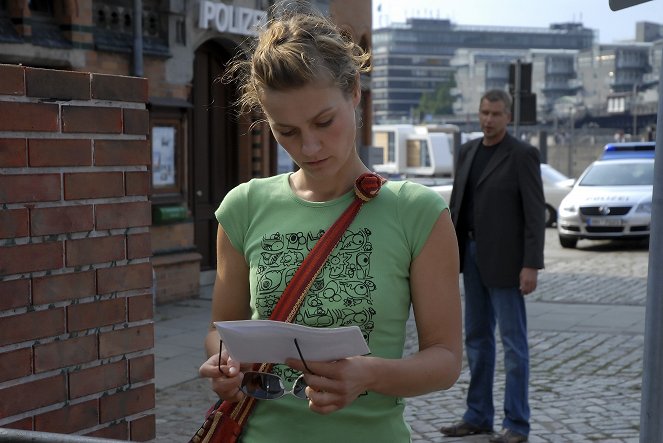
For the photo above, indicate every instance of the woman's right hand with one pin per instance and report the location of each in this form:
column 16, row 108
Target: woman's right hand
column 226, row 376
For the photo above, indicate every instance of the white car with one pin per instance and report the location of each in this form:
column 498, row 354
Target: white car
column 612, row 199
column 555, row 187
column 444, row 190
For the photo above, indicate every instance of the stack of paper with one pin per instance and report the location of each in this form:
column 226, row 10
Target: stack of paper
column 267, row 341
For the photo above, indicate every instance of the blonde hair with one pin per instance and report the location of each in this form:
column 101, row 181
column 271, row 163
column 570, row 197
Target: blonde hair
column 295, row 47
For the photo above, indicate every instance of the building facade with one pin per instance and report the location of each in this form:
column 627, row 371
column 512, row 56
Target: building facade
column 415, row 57
column 200, row 148
column 612, row 78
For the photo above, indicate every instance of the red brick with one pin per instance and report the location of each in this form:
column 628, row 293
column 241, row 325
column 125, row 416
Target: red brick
column 63, row 85
column 126, row 403
column 91, row 119
column 97, row 379
column 141, row 368
column 117, row 431
column 70, row 418
column 14, row 223
column 61, row 287
column 60, row 220
column 15, row 364
column 30, row 258
column 14, row 294
column 120, row 88
column 143, row 429
column 59, row 152
column 29, row 188
column 23, row 398
column 23, row 425
column 95, row 314
column 12, row 152
column 31, row 326
column 139, row 245
column 93, row 185
column 140, row 307
column 136, row 121
column 19, row 117
column 125, row 341
column 11, row 80
column 124, row 278
column 122, row 153
column 123, row 215
column 64, row 353
column 87, row 251
column 138, row 183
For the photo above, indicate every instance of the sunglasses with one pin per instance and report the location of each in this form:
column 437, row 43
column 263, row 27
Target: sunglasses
column 267, row 386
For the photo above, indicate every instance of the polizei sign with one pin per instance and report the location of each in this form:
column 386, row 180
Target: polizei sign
column 231, row 19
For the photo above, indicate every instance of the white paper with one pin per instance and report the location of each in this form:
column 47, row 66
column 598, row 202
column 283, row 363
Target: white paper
column 267, row 341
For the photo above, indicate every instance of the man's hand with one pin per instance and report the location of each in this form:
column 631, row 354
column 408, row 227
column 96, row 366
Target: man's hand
column 528, row 277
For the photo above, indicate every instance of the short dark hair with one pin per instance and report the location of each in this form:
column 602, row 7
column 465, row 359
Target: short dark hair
column 498, row 95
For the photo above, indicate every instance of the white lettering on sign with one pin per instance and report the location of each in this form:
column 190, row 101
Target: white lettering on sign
column 232, row 19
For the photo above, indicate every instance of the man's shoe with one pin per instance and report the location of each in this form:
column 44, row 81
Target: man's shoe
column 463, row 429
column 508, row 436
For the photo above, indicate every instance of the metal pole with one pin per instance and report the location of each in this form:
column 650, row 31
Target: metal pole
column 138, row 39
column 651, row 408
column 18, row 436
column 516, row 99
column 571, row 130
column 635, row 116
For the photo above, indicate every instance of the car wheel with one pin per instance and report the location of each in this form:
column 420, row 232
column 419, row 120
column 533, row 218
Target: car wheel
column 551, row 216
column 568, row 242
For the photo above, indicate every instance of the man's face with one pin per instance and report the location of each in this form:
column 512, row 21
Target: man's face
column 494, row 118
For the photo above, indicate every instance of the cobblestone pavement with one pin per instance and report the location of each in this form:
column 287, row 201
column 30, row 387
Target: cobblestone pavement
column 585, row 382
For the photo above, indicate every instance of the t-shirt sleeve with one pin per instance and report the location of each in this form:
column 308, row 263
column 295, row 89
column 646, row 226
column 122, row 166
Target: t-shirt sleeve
column 233, row 215
column 419, row 209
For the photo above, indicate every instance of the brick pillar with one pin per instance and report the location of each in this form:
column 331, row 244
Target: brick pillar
column 76, row 309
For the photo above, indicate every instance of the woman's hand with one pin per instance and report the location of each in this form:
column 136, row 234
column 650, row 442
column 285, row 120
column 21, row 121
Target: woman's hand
column 226, row 376
column 334, row 385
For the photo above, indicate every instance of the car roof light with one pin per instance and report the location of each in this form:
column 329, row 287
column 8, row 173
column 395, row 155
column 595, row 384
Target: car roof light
column 628, row 150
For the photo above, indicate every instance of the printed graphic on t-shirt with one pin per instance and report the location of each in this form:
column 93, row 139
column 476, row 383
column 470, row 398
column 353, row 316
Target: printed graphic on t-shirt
column 342, row 293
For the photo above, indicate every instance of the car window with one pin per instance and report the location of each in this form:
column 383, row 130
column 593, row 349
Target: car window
column 619, row 174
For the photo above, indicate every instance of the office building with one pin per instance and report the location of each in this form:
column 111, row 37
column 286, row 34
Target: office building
column 415, row 57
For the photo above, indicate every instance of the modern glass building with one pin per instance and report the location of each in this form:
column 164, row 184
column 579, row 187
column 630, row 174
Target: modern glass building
column 414, row 57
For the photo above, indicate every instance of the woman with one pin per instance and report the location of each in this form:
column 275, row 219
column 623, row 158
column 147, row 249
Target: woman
column 399, row 252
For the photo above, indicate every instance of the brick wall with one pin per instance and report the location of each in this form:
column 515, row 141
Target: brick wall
column 76, row 309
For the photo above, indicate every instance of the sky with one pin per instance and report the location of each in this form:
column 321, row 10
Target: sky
column 613, row 26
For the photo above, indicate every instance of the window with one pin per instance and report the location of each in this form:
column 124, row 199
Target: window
column 417, row 153
column 167, row 137
column 41, row 6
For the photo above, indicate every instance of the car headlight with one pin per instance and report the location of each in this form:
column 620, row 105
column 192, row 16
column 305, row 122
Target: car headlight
column 644, row 207
column 568, row 208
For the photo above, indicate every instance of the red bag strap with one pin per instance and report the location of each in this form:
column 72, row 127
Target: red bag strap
column 366, row 188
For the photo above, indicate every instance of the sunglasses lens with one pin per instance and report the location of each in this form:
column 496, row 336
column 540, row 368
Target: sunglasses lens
column 263, row 386
column 299, row 388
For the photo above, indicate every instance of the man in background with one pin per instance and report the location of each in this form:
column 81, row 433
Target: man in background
column 498, row 210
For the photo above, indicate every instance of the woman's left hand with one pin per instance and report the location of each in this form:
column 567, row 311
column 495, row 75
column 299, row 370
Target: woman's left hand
column 334, row 385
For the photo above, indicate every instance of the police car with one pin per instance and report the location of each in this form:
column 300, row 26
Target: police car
column 612, row 198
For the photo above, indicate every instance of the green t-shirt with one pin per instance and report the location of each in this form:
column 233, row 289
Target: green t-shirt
column 365, row 282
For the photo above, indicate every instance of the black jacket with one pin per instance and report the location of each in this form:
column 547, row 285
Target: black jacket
column 509, row 211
